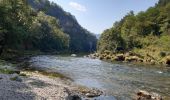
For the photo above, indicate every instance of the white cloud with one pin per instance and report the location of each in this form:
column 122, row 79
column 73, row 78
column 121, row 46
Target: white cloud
column 78, row 6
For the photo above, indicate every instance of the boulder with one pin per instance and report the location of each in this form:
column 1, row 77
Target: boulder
column 153, row 62
column 73, row 97
column 132, row 59
column 101, row 57
column 73, row 55
column 107, row 52
column 144, row 95
column 108, row 57
column 91, row 95
column 167, row 61
column 119, row 57
column 94, row 56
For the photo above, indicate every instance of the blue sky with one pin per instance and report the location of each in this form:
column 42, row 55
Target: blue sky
column 98, row 15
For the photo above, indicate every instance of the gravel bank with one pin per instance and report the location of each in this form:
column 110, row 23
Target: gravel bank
column 36, row 86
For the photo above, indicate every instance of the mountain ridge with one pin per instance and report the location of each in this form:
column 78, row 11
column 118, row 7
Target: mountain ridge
column 80, row 38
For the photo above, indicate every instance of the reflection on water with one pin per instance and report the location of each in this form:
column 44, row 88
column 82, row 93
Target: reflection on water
column 118, row 80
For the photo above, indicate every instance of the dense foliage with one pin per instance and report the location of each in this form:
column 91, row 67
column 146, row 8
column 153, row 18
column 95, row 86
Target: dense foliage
column 147, row 31
column 80, row 38
column 25, row 28
column 47, row 34
column 14, row 22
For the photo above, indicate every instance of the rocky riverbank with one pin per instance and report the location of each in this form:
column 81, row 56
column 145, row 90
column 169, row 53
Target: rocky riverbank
column 130, row 57
column 35, row 86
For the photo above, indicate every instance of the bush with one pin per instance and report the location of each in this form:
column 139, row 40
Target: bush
column 162, row 54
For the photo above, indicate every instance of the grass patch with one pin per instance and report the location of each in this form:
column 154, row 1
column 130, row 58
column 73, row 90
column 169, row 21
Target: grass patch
column 2, row 62
column 47, row 73
column 7, row 71
column 53, row 74
column 16, row 78
column 44, row 72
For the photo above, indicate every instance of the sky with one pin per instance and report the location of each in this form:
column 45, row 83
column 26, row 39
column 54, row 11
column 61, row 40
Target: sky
column 98, row 15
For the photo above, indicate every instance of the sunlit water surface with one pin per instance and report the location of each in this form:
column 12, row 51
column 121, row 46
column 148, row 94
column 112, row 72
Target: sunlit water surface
column 120, row 81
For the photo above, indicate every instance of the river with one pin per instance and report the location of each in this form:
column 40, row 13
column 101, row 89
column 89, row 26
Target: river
column 120, row 81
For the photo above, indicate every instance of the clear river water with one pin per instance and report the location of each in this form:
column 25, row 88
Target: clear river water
column 120, row 81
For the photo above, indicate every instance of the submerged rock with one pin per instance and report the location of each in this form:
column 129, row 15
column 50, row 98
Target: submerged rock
column 144, row 95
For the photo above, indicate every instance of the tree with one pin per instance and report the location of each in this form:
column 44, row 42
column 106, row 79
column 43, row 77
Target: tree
column 139, row 31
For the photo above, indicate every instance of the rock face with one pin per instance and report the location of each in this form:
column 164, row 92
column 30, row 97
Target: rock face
column 144, row 95
column 81, row 40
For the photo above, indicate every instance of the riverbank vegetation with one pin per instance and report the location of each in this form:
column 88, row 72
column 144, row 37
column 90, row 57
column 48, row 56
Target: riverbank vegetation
column 24, row 27
column 144, row 36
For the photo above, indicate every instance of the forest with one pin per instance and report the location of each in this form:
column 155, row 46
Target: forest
column 28, row 25
column 146, row 33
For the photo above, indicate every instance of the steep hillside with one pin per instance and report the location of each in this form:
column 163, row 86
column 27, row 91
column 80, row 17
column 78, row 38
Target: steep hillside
column 22, row 29
column 80, row 38
column 146, row 34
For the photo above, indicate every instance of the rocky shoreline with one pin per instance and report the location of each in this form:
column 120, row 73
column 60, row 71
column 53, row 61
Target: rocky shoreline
column 130, row 57
column 35, row 86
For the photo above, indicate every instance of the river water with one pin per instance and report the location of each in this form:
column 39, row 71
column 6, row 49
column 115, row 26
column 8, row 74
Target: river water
column 120, row 81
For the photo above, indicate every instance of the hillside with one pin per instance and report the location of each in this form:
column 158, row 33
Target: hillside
column 146, row 34
column 80, row 38
column 43, row 27
column 23, row 29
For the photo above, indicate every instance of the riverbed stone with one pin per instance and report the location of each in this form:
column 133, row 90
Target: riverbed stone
column 91, row 95
column 73, row 97
column 133, row 59
column 144, row 95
